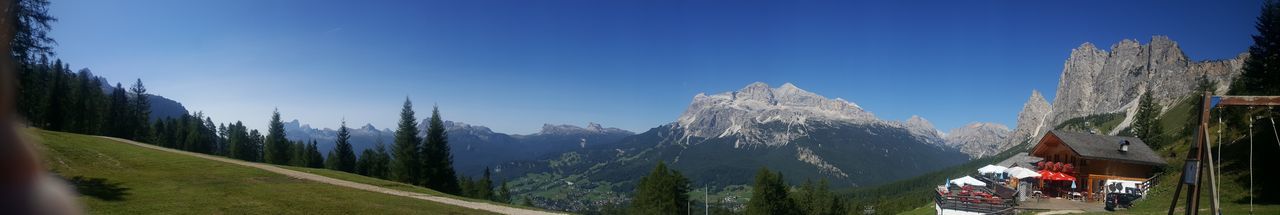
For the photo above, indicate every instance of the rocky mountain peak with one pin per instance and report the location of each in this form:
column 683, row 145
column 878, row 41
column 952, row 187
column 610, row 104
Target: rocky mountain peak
column 978, row 139
column 738, row 113
column 1094, row 83
column 1033, row 121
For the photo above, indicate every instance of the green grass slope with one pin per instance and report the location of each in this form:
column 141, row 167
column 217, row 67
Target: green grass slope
column 118, row 178
column 1178, row 123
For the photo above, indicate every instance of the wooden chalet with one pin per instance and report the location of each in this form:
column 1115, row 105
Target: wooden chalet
column 1092, row 158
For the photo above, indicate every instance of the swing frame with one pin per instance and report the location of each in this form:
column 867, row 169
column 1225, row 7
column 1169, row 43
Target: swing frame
column 1192, row 172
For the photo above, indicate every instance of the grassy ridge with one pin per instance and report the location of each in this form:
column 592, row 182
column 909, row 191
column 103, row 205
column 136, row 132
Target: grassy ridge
column 117, row 178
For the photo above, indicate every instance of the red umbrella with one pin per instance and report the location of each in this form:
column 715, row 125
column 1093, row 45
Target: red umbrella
column 1047, row 175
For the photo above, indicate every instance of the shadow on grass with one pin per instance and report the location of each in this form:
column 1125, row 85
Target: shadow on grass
column 100, row 188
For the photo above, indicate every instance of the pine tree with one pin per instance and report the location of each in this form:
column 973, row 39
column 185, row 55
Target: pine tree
column 159, row 129
column 663, row 191
column 438, row 162
column 89, row 105
column 31, row 24
column 343, row 157
column 769, row 195
column 1145, row 125
column 484, row 186
column 504, row 193
column 1261, row 74
column 406, row 166
column 298, row 154
column 257, row 146
column 468, row 187
column 141, row 111
column 276, row 147
column 59, row 100
column 31, row 30
column 117, row 111
column 314, row 159
column 33, row 88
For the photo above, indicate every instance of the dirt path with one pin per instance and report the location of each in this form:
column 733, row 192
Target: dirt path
column 317, row 178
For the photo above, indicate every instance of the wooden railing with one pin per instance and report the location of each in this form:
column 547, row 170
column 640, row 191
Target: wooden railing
column 974, row 204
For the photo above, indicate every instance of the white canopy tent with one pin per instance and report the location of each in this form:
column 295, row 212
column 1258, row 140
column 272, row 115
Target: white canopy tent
column 992, row 169
column 969, row 180
column 1021, row 173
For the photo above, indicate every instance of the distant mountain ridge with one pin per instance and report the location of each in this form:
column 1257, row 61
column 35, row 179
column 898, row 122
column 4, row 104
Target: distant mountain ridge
column 474, row 147
column 978, row 139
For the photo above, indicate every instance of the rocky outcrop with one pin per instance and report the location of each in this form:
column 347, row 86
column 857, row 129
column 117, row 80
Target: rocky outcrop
column 1033, row 121
column 978, row 139
column 740, row 113
column 1095, row 81
column 924, row 129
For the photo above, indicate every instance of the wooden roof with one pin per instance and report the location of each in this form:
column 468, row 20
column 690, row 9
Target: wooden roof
column 1104, row 147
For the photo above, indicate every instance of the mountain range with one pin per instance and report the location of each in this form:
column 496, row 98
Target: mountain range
column 473, row 147
column 721, row 139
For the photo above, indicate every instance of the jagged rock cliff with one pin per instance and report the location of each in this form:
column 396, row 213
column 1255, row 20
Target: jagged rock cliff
column 978, row 139
column 1033, row 120
column 1095, row 81
column 740, row 114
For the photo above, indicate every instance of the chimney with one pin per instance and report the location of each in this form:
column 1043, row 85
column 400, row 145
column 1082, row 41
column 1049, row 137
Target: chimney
column 1124, row 146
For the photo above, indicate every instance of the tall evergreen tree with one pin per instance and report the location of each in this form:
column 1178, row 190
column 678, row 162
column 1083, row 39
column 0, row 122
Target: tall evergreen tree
column 276, row 147
column 343, row 157
column 1145, row 125
column 161, row 133
column 117, row 112
column 257, row 145
column 141, row 111
column 31, row 30
column 1261, row 74
column 769, row 195
column 314, row 159
column 438, row 162
column 406, row 165
column 33, row 87
column 663, row 191
column 89, row 106
column 59, row 99
column 31, row 23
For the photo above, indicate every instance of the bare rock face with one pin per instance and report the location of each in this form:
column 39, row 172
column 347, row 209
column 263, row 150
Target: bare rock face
column 1033, row 121
column 924, row 130
column 978, row 139
column 739, row 113
column 1095, row 82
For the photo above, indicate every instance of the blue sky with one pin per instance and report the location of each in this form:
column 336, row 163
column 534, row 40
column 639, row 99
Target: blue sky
column 514, row 65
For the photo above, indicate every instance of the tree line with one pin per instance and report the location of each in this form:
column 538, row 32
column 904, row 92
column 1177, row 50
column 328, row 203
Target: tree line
column 52, row 97
column 666, row 191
